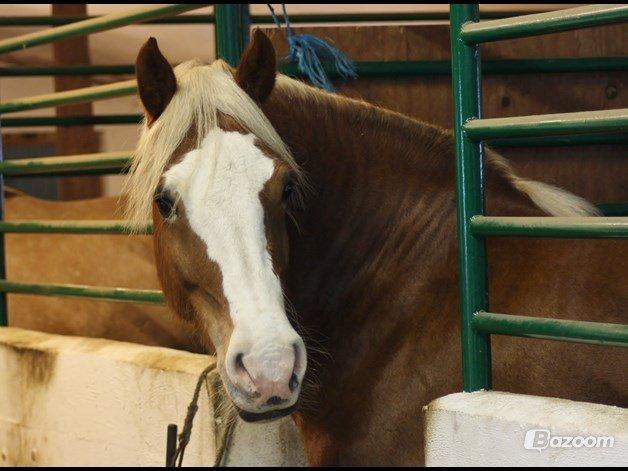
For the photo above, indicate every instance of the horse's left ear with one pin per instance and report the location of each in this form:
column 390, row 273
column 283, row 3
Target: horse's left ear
column 258, row 68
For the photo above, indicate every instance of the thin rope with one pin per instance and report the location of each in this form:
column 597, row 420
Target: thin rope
column 223, row 441
column 286, row 18
column 274, row 15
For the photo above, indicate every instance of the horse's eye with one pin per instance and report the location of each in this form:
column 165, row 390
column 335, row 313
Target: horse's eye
column 288, row 191
column 165, row 204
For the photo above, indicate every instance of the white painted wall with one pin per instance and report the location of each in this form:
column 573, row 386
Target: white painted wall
column 73, row 401
column 489, row 428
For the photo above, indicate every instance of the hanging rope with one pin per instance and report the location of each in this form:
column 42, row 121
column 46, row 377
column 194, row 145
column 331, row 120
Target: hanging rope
column 223, row 423
column 309, row 52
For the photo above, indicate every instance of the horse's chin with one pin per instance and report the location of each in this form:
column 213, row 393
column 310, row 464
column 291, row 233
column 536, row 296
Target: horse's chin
column 267, row 416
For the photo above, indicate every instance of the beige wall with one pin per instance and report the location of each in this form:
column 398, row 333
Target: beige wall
column 74, row 401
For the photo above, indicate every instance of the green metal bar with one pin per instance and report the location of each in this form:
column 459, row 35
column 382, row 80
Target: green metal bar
column 70, row 120
column 543, row 23
column 110, row 162
column 378, row 69
column 552, row 329
column 25, row 21
column 79, row 95
column 94, row 25
column 476, row 347
column 81, row 291
column 568, row 227
column 613, row 209
column 4, row 318
column 587, row 122
column 262, row 19
column 232, row 30
column 70, row 19
column 71, row 227
column 577, row 140
column 561, row 64
column 372, row 69
column 123, row 69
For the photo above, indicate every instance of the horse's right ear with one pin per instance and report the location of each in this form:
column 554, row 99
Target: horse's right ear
column 258, row 67
column 156, row 82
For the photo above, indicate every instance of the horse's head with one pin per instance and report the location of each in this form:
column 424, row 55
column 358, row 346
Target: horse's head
column 218, row 181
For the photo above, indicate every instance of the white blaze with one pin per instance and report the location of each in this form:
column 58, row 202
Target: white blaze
column 219, row 185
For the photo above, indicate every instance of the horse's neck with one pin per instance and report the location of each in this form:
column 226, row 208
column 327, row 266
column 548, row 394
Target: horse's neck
column 381, row 208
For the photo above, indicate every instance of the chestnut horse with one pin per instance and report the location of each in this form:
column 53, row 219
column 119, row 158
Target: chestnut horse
column 364, row 268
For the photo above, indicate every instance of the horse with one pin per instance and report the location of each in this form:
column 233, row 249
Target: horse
column 310, row 239
column 99, row 260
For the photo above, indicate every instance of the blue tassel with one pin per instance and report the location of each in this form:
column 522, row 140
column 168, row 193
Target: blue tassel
column 309, row 52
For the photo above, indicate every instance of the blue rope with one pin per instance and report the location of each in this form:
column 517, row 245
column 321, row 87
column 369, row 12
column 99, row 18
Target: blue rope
column 309, row 52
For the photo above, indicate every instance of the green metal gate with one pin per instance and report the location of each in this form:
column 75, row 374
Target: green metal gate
column 467, row 32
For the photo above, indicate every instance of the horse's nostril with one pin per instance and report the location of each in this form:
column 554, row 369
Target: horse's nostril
column 239, row 363
column 294, row 382
column 275, row 401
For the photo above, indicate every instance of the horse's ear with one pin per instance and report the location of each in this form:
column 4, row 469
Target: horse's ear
column 156, row 82
column 258, row 67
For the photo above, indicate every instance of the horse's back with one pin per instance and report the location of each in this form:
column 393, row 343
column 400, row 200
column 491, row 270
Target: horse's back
column 96, row 260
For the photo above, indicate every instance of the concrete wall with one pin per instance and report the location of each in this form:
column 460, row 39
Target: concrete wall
column 490, row 428
column 90, row 402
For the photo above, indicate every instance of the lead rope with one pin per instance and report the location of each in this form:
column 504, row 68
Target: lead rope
column 223, row 426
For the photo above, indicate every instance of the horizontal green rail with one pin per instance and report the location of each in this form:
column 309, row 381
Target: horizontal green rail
column 586, row 122
column 56, row 70
column 554, row 141
column 542, row 23
column 376, row 69
column 94, row 25
column 261, row 19
column 551, row 329
column 79, row 95
column 567, row 227
column 372, row 69
column 70, row 120
column 613, row 209
column 107, row 162
column 81, row 291
column 70, row 227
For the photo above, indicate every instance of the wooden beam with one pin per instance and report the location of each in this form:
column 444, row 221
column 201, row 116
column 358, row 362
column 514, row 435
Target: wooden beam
column 75, row 139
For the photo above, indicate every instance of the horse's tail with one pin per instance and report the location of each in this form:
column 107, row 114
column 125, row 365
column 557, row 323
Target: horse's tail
column 552, row 200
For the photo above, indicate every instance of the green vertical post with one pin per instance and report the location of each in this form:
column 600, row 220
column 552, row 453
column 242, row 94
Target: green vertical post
column 232, row 31
column 3, row 297
column 476, row 347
